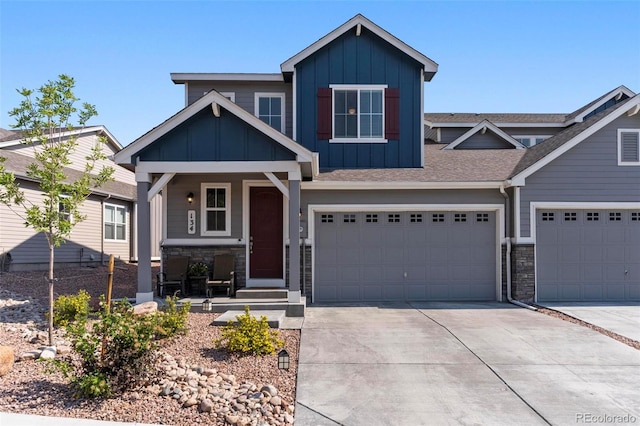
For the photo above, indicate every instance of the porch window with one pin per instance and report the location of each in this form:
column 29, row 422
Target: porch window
column 269, row 107
column 115, row 223
column 216, row 209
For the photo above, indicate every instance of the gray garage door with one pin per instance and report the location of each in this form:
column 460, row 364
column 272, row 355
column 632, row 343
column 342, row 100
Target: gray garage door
column 588, row 255
column 380, row 256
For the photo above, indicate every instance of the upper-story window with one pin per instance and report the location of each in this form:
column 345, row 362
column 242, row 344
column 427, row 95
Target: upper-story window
column 358, row 113
column 528, row 140
column 269, row 107
column 629, row 147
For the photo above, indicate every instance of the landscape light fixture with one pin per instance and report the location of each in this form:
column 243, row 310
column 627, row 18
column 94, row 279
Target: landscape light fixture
column 190, row 198
column 206, row 305
column 283, row 360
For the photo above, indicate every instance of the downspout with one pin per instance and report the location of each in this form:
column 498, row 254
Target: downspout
column 102, row 228
column 508, row 254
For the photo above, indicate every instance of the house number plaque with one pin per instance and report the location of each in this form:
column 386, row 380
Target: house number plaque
column 191, row 222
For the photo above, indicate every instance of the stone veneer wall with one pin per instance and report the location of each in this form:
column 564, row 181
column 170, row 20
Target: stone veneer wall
column 206, row 253
column 503, row 260
column 523, row 272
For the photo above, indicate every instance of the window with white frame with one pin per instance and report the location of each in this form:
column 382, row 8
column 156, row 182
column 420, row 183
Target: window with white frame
column 216, row 209
column 64, row 209
column 629, row 147
column 528, row 140
column 115, row 222
column 358, row 113
column 269, row 107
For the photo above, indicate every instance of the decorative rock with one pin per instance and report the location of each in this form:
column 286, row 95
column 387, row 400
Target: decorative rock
column 275, row 401
column 63, row 350
column 206, row 406
column 190, row 402
column 288, row 418
column 270, row 389
column 232, row 420
column 6, row 359
column 49, row 352
column 145, row 308
column 27, row 356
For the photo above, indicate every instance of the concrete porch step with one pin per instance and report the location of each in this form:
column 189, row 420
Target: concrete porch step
column 223, row 304
column 262, row 293
column 274, row 318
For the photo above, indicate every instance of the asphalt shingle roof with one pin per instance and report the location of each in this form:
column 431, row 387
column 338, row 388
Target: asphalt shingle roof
column 470, row 117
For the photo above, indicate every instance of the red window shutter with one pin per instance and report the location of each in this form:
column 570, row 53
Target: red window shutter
column 324, row 113
column 392, row 114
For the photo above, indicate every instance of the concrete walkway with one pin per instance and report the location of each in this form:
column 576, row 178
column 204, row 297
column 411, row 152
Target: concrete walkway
column 446, row 363
column 621, row 318
column 13, row 419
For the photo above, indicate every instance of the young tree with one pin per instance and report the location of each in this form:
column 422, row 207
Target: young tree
column 45, row 123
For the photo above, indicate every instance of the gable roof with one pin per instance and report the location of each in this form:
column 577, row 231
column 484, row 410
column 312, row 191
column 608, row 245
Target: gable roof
column 482, row 127
column 211, row 99
column 18, row 164
column 15, row 137
column 430, row 67
column 542, row 154
column 578, row 115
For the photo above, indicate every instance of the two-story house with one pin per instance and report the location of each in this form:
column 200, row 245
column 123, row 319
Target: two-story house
column 328, row 179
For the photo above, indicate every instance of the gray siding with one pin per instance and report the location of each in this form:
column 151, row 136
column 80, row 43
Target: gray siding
column 245, row 95
column 484, row 196
column 30, row 250
column 177, row 206
column 587, row 173
column 449, row 134
column 487, row 141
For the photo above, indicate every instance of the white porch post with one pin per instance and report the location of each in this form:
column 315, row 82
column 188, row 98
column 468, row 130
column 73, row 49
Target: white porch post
column 294, row 237
column 145, row 289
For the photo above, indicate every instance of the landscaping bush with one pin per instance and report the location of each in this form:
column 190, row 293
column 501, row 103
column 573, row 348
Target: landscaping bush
column 172, row 320
column 72, row 308
column 249, row 335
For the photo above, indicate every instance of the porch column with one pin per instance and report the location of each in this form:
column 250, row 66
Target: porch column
column 294, row 237
column 145, row 289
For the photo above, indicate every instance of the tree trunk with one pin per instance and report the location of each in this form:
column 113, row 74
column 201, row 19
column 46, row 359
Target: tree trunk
column 51, row 247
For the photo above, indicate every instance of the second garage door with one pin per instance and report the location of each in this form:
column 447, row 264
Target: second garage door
column 397, row 256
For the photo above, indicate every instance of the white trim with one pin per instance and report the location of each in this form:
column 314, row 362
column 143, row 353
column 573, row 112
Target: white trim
column 422, row 119
column 356, row 88
column 230, row 95
column 615, row 93
column 428, row 65
column 374, row 185
column 482, row 127
column 124, row 156
column 115, row 232
column 157, row 187
column 432, row 124
column 204, row 186
column 281, row 95
column 276, row 182
column 186, row 93
column 202, row 242
column 520, row 177
column 165, row 206
column 198, row 167
column 532, row 138
column 246, row 187
column 181, row 77
column 499, row 209
column 75, row 132
column 294, row 112
column 627, row 163
column 633, row 111
column 516, row 212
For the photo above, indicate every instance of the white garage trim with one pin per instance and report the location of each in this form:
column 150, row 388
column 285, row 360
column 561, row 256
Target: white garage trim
column 559, row 205
column 312, row 209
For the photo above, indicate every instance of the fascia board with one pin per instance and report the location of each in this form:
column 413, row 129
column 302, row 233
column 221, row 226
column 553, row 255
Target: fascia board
column 429, row 65
column 519, row 179
column 181, row 78
column 371, row 185
column 519, row 124
column 620, row 90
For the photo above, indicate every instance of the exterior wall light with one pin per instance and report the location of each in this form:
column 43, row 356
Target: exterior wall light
column 190, row 198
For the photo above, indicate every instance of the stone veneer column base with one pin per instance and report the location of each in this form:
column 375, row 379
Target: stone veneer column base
column 523, row 272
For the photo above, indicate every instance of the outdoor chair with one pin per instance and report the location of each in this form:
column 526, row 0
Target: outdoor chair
column 223, row 275
column 173, row 275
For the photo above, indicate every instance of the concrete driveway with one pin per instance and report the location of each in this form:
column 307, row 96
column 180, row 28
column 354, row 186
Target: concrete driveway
column 446, row 363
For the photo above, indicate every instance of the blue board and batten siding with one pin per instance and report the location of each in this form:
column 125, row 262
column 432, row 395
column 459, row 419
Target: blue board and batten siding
column 205, row 137
column 365, row 59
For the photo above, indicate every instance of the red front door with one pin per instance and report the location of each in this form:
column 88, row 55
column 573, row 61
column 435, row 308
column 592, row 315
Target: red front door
column 265, row 232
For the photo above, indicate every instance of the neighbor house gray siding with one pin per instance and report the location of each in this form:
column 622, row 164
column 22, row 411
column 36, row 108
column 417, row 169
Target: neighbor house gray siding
column 487, row 141
column 450, row 134
column 244, row 92
column 589, row 172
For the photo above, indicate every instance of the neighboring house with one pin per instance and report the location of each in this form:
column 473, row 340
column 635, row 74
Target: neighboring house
column 109, row 227
column 392, row 204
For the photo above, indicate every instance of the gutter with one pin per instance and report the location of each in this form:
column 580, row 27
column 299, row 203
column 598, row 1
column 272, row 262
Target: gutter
column 508, row 256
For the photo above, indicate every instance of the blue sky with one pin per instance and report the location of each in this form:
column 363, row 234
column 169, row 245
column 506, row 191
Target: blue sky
column 494, row 56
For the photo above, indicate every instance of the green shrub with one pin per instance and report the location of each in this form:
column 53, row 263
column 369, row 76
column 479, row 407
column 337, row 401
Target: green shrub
column 249, row 335
column 172, row 320
column 72, row 308
column 118, row 352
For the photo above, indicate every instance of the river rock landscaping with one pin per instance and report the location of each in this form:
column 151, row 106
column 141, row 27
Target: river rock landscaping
column 197, row 383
